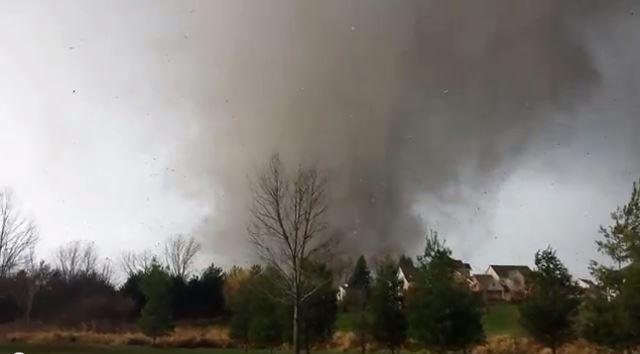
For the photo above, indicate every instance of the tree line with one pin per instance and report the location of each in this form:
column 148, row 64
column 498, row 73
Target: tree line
column 439, row 311
column 291, row 296
column 77, row 288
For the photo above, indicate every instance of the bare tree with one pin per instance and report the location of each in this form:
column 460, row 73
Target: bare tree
column 287, row 229
column 18, row 234
column 80, row 258
column 179, row 253
column 132, row 262
column 34, row 276
column 106, row 271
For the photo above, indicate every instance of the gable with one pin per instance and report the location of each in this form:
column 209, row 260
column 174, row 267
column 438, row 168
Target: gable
column 508, row 271
column 487, row 282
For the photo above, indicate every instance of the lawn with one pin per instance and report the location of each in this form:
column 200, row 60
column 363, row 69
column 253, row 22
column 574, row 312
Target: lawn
column 346, row 322
column 502, row 319
column 499, row 319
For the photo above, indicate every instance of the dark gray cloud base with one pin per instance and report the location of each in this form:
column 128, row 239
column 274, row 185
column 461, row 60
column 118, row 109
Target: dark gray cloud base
column 397, row 100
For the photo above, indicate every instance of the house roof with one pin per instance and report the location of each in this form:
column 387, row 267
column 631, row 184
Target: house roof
column 407, row 268
column 504, row 270
column 485, row 280
column 458, row 264
column 586, row 283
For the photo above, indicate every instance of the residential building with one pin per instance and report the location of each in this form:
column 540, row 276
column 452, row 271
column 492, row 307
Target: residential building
column 513, row 279
column 487, row 286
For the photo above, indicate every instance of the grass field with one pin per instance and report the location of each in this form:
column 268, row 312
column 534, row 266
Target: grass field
column 499, row 320
column 502, row 320
column 346, row 321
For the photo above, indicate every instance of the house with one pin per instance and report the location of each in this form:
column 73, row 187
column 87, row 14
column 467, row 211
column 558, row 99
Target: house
column 461, row 270
column 586, row 283
column 487, row 286
column 513, row 279
column 342, row 292
column 588, row 287
column 406, row 272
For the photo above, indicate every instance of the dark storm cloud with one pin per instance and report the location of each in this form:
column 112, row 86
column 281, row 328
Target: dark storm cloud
column 397, row 100
column 506, row 125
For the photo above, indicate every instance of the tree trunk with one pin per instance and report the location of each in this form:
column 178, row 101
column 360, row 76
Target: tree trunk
column 295, row 339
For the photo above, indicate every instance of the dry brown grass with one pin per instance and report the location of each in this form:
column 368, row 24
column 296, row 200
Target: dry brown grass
column 343, row 341
column 188, row 337
column 218, row 337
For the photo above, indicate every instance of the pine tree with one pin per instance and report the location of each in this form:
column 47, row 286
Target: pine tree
column 359, row 293
column 548, row 312
column 240, row 295
column 611, row 316
column 361, row 277
column 155, row 318
column 319, row 312
column 389, row 324
column 265, row 320
column 443, row 313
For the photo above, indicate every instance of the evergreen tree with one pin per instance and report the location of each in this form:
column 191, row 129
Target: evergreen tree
column 210, row 291
column 361, row 276
column 155, row 319
column 549, row 310
column 389, row 324
column 611, row 317
column 239, row 302
column 359, row 293
column 319, row 312
column 131, row 289
column 262, row 331
column 181, row 300
column 265, row 324
column 443, row 313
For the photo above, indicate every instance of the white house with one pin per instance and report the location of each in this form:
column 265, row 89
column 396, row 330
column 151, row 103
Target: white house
column 513, row 279
column 406, row 273
column 487, row 286
column 342, row 292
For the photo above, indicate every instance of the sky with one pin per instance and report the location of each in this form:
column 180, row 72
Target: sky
column 505, row 126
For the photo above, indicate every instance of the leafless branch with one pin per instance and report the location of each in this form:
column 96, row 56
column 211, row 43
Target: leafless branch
column 288, row 221
column 132, row 262
column 80, row 258
column 18, row 234
column 179, row 254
